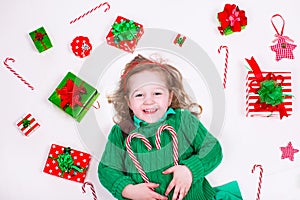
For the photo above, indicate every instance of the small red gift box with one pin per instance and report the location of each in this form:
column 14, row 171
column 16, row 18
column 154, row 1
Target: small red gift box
column 179, row 40
column 256, row 106
column 67, row 163
column 125, row 34
column 27, row 124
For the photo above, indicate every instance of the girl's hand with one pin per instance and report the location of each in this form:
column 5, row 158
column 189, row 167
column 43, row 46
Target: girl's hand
column 182, row 181
column 142, row 191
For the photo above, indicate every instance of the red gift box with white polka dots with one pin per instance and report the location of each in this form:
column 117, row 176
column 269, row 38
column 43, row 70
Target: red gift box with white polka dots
column 126, row 45
column 67, row 163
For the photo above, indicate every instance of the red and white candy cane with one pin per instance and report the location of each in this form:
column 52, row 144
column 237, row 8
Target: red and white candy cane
column 226, row 64
column 90, row 11
column 260, row 179
column 15, row 73
column 174, row 138
column 132, row 156
column 92, row 188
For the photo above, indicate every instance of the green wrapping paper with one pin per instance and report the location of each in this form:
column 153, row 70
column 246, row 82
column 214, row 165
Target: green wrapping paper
column 74, row 96
column 40, row 39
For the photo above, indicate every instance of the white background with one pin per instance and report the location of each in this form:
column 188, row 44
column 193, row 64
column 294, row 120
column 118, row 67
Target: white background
column 245, row 141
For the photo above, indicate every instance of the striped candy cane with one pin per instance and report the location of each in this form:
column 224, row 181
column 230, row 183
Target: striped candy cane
column 260, row 179
column 132, row 156
column 226, row 64
column 90, row 11
column 92, row 188
column 15, row 73
column 174, row 138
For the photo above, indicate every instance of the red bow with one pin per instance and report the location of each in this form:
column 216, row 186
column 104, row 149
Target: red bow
column 70, row 94
column 259, row 78
column 232, row 17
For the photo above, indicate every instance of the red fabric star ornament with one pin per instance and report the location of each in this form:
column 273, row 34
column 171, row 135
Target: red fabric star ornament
column 283, row 49
column 288, row 152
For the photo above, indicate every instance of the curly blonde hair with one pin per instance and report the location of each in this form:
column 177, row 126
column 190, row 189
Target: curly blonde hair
column 173, row 81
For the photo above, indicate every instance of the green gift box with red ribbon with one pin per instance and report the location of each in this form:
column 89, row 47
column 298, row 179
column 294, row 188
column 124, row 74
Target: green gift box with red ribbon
column 74, row 96
column 124, row 34
column 41, row 39
column 67, row 163
column 268, row 94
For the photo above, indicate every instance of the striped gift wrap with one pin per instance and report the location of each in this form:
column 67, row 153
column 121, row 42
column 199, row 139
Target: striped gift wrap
column 252, row 98
column 27, row 124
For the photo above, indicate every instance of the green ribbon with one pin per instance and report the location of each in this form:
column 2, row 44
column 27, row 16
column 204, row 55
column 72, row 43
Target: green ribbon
column 180, row 40
column 66, row 162
column 270, row 92
column 125, row 30
column 25, row 123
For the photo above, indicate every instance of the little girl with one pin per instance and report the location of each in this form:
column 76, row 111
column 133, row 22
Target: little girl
column 158, row 149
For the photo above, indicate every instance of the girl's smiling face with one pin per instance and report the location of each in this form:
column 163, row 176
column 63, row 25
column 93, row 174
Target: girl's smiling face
column 149, row 97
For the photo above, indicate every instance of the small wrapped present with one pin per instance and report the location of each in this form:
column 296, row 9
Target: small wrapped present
column 40, row 39
column 179, row 40
column 74, row 96
column 268, row 94
column 67, row 163
column 232, row 19
column 125, row 34
column 81, row 46
column 27, row 124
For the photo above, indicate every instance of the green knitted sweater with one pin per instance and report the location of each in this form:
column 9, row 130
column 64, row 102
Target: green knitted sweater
column 198, row 150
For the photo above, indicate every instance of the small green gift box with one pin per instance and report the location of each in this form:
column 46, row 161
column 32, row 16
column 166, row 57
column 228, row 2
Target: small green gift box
column 40, row 39
column 74, row 96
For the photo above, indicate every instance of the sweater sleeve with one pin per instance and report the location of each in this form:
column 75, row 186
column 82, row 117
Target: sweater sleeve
column 111, row 171
column 207, row 152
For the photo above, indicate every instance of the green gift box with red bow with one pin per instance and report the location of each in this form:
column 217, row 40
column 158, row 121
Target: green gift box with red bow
column 67, row 163
column 124, row 34
column 41, row 39
column 74, row 96
column 268, row 94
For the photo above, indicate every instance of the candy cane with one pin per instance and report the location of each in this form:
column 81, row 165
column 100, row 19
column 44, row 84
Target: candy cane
column 226, row 64
column 260, row 179
column 15, row 73
column 92, row 188
column 90, row 11
column 132, row 156
column 174, row 138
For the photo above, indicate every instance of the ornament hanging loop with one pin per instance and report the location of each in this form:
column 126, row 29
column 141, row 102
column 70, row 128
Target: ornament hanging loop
column 283, row 23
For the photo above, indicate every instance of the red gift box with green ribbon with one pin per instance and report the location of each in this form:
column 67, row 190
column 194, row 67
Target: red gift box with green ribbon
column 67, row 163
column 74, row 96
column 268, row 94
column 125, row 34
column 231, row 19
column 41, row 39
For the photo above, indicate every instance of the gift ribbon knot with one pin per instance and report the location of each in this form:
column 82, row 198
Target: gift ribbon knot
column 233, row 17
column 125, row 30
column 66, row 162
column 70, row 94
column 270, row 92
column 25, row 123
